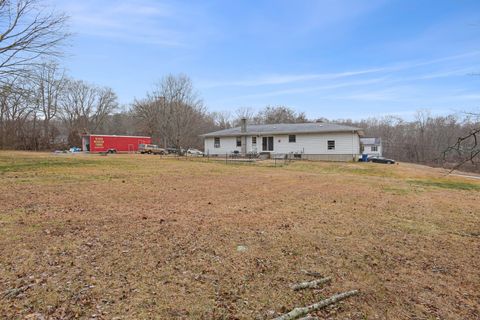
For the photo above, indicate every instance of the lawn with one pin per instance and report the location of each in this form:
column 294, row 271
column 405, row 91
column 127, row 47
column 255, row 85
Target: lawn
column 145, row 237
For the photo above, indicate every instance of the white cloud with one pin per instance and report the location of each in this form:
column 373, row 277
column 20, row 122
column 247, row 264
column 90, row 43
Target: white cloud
column 287, row 78
column 472, row 96
column 151, row 22
column 307, row 89
column 279, row 79
column 146, row 9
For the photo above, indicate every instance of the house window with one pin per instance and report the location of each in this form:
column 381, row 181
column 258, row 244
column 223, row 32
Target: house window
column 239, row 141
column 331, row 144
column 254, row 140
column 267, row 143
column 216, row 143
column 374, row 148
column 292, row 138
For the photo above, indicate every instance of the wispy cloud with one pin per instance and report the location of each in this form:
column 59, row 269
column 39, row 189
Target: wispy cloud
column 287, row 78
column 145, row 21
column 146, row 9
column 318, row 88
column 383, row 95
column 279, row 79
column 440, row 74
column 461, row 56
column 435, row 84
column 471, row 96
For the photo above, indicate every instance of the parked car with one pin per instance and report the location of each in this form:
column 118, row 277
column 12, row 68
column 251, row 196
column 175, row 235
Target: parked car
column 175, row 151
column 172, row 150
column 378, row 159
column 194, row 152
column 151, row 149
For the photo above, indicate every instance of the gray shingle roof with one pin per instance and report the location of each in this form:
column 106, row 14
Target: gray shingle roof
column 283, row 128
column 371, row 141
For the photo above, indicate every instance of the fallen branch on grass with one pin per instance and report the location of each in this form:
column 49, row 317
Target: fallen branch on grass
column 298, row 312
column 311, row 284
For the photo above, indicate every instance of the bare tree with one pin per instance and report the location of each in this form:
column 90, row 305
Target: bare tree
column 182, row 110
column 268, row 115
column 428, row 139
column 279, row 114
column 173, row 112
column 27, row 33
column 221, row 119
column 85, row 108
column 15, row 111
column 243, row 113
column 147, row 112
column 120, row 123
column 49, row 80
column 466, row 149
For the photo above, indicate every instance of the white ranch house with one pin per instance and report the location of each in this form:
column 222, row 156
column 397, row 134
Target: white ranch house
column 312, row 141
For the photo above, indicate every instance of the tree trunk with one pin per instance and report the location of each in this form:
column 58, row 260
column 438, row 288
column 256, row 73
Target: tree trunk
column 310, row 284
column 299, row 312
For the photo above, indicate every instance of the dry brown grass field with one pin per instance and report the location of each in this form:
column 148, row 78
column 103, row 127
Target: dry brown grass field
column 145, row 237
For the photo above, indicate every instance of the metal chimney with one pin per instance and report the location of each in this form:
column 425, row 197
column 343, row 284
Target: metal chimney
column 243, row 125
column 243, row 129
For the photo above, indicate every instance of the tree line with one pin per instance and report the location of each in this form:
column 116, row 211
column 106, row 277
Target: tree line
column 448, row 140
column 48, row 110
column 43, row 108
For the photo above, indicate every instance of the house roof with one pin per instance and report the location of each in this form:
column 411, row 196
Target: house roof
column 283, row 128
column 371, row 141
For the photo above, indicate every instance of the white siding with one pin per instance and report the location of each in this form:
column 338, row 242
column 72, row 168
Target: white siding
column 314, row 143
column 367, row 149
column 227, row 145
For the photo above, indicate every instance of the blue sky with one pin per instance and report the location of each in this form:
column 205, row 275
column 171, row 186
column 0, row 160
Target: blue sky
column 334, row 59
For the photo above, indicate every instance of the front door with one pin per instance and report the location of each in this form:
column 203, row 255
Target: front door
column 267, row 143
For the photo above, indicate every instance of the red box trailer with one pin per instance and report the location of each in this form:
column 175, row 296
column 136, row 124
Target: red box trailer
column 103, row 143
